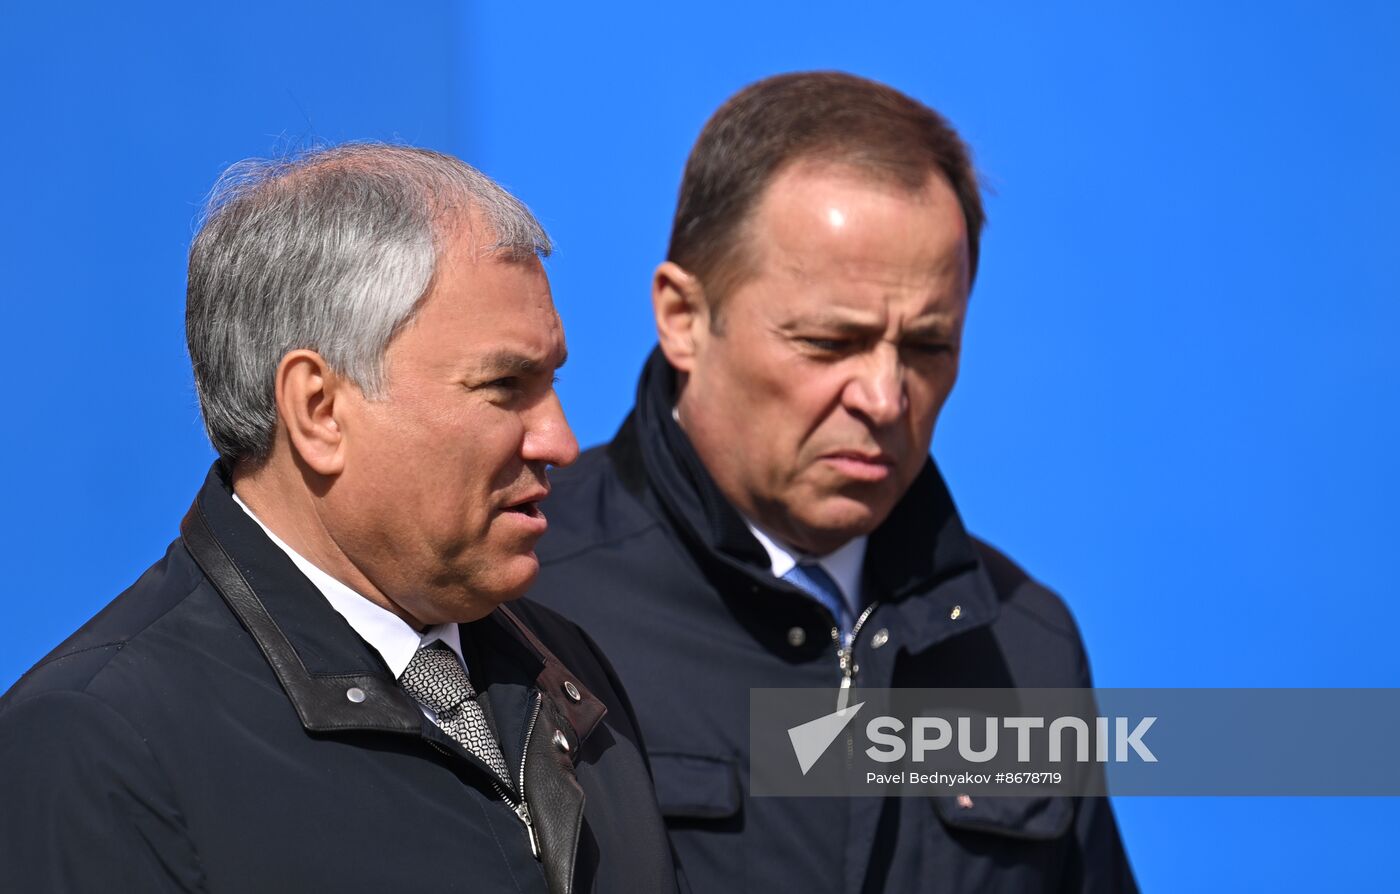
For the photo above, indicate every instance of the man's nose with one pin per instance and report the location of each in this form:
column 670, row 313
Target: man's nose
column 548, row 438
column 876, row 391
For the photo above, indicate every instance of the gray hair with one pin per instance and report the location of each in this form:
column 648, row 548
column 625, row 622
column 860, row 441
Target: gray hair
column 332, row 250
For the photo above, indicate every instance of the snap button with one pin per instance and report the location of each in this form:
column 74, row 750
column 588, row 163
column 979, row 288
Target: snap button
column 956, row 612
column 561, row 741
column 355, row 694
column 881, row 637
column 572, row 691
column 796, row 637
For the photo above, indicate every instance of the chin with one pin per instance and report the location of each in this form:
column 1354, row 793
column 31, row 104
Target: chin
column 827, row 531
column 476, row 590
column 849, row 518
column 517, row 575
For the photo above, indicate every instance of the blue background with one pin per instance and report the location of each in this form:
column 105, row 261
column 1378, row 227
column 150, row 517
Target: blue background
column 1179, row 395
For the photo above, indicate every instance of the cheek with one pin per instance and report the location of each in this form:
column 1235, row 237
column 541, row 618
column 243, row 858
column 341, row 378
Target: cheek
column 929, row 392
column 437, row 471
column 486, row 454
column 814, row 407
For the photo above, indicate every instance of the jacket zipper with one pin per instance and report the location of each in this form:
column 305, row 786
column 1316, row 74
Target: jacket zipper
column 844, row 655
column 521, row 807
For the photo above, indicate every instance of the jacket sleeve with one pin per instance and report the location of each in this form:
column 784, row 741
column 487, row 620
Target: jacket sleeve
column 87, row 806
column 1099, row 863
column 682, row 882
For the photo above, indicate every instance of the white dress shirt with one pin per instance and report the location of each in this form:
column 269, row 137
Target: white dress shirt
column 389, row 635
column 843, row 564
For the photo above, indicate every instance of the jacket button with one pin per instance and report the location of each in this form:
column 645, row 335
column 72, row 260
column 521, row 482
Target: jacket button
column 881, row 637
column 572, row 691
column 956, row 612
column 561, row 741
column 355, row 694
column 796, row 637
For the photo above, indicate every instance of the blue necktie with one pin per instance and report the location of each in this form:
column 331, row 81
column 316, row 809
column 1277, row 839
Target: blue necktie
column 812, row 579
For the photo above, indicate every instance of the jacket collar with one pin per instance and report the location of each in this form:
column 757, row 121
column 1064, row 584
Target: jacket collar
column 333, row 679
column 921, row 545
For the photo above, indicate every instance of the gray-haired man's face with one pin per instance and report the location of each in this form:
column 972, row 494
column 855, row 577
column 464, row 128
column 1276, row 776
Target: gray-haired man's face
column 438, row 503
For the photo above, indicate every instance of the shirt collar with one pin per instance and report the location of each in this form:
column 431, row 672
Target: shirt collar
column 389, row 635
column 843, row 564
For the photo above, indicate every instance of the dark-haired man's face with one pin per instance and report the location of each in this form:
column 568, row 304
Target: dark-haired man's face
column 813, row 404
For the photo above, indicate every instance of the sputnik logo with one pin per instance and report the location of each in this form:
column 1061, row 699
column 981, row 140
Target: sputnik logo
column 810, row 740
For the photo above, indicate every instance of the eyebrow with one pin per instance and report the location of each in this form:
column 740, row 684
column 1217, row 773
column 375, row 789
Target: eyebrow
column 937, row 327
column 503, row 361
column 829, row 321
column 930, row 326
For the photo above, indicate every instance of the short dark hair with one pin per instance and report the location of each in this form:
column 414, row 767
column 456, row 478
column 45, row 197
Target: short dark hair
column 822, row 116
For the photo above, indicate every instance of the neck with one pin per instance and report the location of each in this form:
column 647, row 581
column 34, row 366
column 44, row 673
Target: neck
column 286, row 499
column 771, row 516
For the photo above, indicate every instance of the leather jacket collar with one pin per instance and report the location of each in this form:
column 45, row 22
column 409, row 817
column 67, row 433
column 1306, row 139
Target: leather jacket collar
column 336, row 682
column 315, row 654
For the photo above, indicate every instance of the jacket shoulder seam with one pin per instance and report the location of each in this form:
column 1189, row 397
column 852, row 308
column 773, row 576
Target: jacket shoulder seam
column 1070, row 634
column 52, row 659
column 118, row 643
column 1009, row 577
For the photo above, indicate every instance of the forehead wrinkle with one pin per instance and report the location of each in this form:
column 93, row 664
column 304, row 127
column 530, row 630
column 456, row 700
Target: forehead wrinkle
column 820, row 271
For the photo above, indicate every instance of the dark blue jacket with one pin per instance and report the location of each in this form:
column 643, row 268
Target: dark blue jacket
column 219, row 727
column 646, row 554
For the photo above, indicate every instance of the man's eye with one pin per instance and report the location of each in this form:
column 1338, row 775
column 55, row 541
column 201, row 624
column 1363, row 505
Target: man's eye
column 505, row 383
column 828, row 345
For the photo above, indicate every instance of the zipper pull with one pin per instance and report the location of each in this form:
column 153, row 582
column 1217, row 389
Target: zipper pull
column 843, row 697
column 523, row 811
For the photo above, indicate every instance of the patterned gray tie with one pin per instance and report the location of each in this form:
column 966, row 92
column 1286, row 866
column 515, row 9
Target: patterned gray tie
column 435, row 677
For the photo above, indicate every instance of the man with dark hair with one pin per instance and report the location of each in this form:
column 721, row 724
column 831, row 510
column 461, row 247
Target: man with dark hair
column 769, row 516
column 320, row 687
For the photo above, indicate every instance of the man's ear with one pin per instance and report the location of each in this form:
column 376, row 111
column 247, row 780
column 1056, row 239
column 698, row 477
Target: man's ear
column 307, row 394
column 682, row 314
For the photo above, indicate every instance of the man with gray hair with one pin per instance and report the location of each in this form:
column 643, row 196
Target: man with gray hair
column 320, row 686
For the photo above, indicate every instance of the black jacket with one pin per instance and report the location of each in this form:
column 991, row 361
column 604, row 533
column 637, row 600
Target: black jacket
column 219, row 727
column 646, row 554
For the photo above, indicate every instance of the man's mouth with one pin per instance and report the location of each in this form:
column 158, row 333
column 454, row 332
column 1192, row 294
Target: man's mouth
column 528, row 505
column 861, row 465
